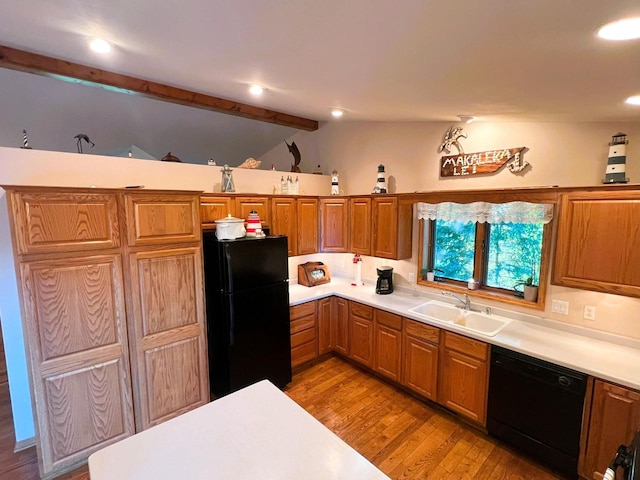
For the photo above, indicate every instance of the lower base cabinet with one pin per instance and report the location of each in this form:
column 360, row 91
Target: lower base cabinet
column 361, row 333
column 340, row 325
column 387, row 359
column 304, row 338
column 613, row 417
column 464, row 376
column 420, row 352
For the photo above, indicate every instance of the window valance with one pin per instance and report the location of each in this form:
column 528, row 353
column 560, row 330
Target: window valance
column 512, row 212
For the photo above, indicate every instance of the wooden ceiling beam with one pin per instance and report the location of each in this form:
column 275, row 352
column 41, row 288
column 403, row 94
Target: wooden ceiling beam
column 24, row 61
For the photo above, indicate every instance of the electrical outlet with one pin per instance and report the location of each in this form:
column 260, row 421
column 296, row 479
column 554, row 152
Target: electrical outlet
column 589, row 312
column 560, row 306
column 412, row 277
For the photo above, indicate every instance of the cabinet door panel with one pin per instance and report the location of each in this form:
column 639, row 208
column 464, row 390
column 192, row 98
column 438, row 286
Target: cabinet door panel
column 79, row 361
column 284, row 222
column 360, row 228
column 168, row 334
column 615, row 416
column 340, row 325
column 421, row 366
column 464, row 385
column 158, row 219
column 388, row 356
column 173, row 378
column 334, row 221
column 324, row 326
column 307, row 226
column 244, row 205
column 214, row 208
column 385, row 227
column 55, row 222
column 361, row 336
column 598, row 238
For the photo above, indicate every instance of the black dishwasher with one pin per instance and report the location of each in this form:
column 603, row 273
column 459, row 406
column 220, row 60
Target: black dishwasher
column 536, row 407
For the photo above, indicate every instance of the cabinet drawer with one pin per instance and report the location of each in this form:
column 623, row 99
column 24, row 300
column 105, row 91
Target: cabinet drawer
column 390, row 320
column 302, row 310
column 304, row 323
column 157, row 219
column 473, row 348
column 303, row 336
column 362, row 311
column 56, row 222
column 303, row 353
column 422, row 331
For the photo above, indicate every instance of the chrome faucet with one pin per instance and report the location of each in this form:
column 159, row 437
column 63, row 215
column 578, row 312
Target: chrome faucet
column 466, row 301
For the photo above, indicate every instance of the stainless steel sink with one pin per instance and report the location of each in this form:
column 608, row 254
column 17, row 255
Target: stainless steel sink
column 488, row 325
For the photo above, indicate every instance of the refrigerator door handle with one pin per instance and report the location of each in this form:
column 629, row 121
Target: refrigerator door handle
column 232, row 325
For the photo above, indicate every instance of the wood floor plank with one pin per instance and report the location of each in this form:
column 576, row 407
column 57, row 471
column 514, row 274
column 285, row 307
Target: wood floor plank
column 404, row 437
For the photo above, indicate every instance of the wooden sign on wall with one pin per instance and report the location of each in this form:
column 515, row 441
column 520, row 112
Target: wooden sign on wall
column 478, row 163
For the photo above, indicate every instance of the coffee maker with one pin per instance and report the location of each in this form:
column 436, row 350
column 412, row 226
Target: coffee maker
column 384, row 285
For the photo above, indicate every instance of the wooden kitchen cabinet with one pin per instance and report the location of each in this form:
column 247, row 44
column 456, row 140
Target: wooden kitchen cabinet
column 307, row 209
column 361, row 335
column 387, row 359
column 464, row 376
column 324, row 326
column 214, row 208
column 420, row 352
column 334, row 225
column 262, row 205
column 167, row 333
column 112, row 296
column 392, row 221
column 66, row 246
column 304, row 338
column 598, row 240
column 284, row 221
column 340, row 325
column 360, row 225
column 613, row 418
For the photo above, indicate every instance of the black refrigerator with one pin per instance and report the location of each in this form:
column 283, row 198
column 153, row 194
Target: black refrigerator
column 247, row 295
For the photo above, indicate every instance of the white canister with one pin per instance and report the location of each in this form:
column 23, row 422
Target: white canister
column 472, row 284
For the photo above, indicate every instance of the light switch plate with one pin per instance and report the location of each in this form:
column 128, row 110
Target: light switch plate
column 412, row 277
column 560, row 306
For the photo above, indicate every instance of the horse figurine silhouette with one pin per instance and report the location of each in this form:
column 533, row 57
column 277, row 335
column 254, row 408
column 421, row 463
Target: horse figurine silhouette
column 451, row 138
column 293, row 149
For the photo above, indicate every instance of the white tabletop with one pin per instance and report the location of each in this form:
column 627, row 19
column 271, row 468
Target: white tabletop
column 255, row 433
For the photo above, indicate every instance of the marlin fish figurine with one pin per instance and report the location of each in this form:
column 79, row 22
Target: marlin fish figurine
column 80, row 137
column 293, row 149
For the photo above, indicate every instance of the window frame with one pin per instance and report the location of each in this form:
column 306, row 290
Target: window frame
column 480, row 265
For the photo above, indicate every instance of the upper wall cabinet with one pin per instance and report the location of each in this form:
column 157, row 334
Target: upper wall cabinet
column 360, row 228
column 307, row 225
column 284, row 222
column 392, row 222
column 214, row 208
column 334, row 225
column 244, row 206
column 598, row 242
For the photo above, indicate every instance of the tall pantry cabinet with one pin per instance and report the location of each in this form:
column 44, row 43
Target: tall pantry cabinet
column 113, row 313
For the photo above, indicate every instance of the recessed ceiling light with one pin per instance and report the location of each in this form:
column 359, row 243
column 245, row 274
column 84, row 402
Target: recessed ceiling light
column 256, row 89
column 466, row 118
column 626, row 29
column 99, row 45
column 635, row 100
column 337, row 113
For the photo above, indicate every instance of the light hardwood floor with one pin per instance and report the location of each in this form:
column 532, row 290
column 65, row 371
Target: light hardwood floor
column 403, row 436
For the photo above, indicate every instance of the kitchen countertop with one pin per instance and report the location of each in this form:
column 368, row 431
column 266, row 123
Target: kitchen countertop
column 256, row 432
column 598, row 354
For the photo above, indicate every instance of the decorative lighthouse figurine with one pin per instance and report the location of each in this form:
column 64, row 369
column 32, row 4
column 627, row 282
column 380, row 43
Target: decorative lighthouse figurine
column 357, row 260
column 335, row 190
column 617, row 160
column 381, row 185
column 25, row 140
